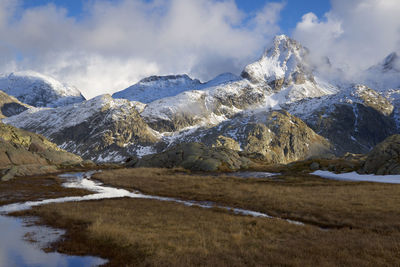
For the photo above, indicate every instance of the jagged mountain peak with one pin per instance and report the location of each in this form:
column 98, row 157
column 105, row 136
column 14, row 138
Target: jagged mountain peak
column 391, row 62
column 282, row 44
column 39, row 90
column 384, row 75
column 283, row 64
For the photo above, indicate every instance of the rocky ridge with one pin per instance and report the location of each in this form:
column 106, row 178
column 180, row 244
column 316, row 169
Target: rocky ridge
column 25, row 153
column 280, row 110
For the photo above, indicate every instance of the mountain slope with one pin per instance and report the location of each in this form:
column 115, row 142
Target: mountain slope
column 38, row 90
column 25, row 153
column 354, row 120
column 101, row 129
column 277, row 136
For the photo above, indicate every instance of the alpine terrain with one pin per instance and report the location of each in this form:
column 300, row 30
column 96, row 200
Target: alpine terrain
column 280, row 109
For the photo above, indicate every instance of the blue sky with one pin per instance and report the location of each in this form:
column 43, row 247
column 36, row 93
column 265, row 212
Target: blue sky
column 290, row 15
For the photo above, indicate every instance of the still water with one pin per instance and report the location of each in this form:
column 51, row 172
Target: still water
column 16, row 251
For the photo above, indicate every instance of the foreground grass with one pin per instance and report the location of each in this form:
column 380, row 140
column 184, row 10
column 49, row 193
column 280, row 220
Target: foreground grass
column 138, row 232
column 303, row 197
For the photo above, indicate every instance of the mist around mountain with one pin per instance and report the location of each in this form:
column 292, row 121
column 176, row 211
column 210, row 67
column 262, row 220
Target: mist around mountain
column 284, row 107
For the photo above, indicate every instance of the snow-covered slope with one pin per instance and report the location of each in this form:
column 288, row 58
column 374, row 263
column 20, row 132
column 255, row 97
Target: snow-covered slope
column 158, row 87
column 39, row 90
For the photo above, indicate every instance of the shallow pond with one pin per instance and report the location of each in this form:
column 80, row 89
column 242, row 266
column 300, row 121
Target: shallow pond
column 18, row 247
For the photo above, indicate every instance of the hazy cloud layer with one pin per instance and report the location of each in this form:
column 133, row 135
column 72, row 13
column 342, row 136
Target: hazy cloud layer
column 115, row 43
column 353, row 34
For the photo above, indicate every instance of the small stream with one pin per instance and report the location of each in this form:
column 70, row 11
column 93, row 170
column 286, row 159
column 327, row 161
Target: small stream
column 15, row 251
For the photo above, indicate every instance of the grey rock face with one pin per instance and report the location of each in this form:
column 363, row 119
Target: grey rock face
column 384, row 158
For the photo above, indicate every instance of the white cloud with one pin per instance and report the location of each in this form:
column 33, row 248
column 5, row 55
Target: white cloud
column 353, row 34
column 115, row 43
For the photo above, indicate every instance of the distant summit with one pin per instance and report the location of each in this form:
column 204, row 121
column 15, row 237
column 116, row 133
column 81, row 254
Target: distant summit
column 39, row 90
column 156, row 87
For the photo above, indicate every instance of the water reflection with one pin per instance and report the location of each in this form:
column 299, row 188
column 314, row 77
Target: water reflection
column 14, row 251
column 253, row 174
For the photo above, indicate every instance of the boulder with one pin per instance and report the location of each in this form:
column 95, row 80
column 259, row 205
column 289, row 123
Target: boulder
column 384, row 158
column 196, row 157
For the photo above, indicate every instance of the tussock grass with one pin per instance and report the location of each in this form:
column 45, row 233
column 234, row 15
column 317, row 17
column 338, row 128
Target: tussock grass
column 138, row 232
column 303, row 197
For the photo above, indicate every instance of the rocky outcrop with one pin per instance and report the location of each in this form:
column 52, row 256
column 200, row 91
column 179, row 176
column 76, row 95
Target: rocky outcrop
column 277, row 135
column 384, row 158
column 22, row 152
column 195, row 157
column 10, row 106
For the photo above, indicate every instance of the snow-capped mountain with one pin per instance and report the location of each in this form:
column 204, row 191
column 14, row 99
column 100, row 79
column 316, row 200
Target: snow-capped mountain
column 157, row 87
column 280, row 108
column 286, row 65
column 385, row 75
column 259, row 89
column 39, row 90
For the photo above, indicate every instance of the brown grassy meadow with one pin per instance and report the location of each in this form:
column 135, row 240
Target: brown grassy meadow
column 360, row 222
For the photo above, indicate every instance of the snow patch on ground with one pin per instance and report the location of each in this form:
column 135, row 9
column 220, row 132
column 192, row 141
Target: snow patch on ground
column 353, row 176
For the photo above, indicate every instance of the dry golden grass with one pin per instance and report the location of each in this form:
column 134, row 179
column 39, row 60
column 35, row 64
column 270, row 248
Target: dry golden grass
column 303, row 197
column 137, row 232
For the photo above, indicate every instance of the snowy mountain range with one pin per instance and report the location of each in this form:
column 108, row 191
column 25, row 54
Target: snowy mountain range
column 280, row 108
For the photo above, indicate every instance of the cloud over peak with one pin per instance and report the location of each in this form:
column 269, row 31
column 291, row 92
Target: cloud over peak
column 353, row 34
column 115, row 43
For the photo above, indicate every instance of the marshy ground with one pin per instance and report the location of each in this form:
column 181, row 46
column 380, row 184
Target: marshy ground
column 346, row 223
